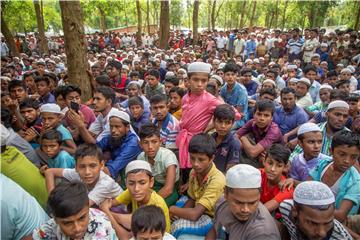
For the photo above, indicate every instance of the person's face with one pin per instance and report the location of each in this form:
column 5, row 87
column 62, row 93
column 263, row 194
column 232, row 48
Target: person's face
column 61, row 101
column 345, row 87
column 95, row 71
column 117, row 128
column 230, row 78
column 311, row 75
column 345, row 156
column 6, row 101
column 288, row 101
column 247, row 78
column 337, row 117
column 168, row 87
column 273, row 169
column 50, row 147
column 50, row 120
column 262, row 118
column 159, row 110
column 41, row 68
column 112, row 72
column 100, row 102
column 324, row 95
column 42, row 88
column 222, row 126
column 102, row 62
column 18, row 93
column 51, row 67
column 345, row 76
column 4, row 85
column 76, row 225
column 315, row 61
column 220, row 73
column 132, row 91
column 152, row 80
column 243, row 202
column 267, row 97
column 312, row 223
column 150, row 145
column 353, row 107
column 311, row 144
column 73, row 97
column 175, row 101
column 332, row 81
column 29, row 114
column 201, row 163
column 89, row 168
column 198, row 82
column 270, row 75
column 29, row 81
column 301, row 89
column 139, row 185
column 136, row 111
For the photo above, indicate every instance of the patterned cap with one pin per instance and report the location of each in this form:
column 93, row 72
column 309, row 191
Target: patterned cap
column 313, row 193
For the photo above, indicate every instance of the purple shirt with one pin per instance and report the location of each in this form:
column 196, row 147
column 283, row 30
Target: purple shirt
column 300, row 168
column 270, row 135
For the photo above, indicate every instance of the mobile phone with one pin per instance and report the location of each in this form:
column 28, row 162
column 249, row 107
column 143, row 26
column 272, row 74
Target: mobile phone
column 75, row 106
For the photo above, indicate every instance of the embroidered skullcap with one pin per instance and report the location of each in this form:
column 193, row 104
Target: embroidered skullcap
column 199, row 67
column 308, row 127
column 337, row 104
column 313, row 193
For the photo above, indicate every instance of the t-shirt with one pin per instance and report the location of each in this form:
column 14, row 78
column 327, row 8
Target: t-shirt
column 20, row 212
column 105, row 187
column 273, row 192
column 167, row 236
column 155, row 199
column 261, row 225
column 101, row 126
column 163, row 159
column 65, row 133
column 18, row 168
column 62, row 160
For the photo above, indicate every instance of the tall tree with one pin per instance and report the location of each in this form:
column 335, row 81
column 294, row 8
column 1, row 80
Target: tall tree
column 9, row 38
column 148, row 16
column 276, row 13
column 242, row 14
column 164, row 24
column 139, row 23
column 213, row 9
column 284, row 15
column 102, row 19
column 195, row 19
column 44, row 48
column 75, row 46
column 253, row 14
column 357, row 20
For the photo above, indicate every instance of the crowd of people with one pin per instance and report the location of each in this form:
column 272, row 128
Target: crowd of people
column 242, row 134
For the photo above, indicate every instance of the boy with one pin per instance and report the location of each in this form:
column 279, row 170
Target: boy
column 272, row 176
column 44, row 90
column 206, row 185
column 169, row 83
column 343, row 85
column 353, row 101
column 139, row 181
column 138, row 115
column 153, row 85
column 167, row 123
column 51, row 116
column 258, row 134
column 88, row 169
column 29, row 110
column 163, row 162
column 50, row 146
column 311, row 73
column 73, row 219
column 175, row 96
column 340, row 173
column 227, row 145
column 17, row 90
column 148, row 222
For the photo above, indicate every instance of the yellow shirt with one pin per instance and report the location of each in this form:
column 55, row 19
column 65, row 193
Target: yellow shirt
column 178, row 114
column 209, row 190
column 155, row 199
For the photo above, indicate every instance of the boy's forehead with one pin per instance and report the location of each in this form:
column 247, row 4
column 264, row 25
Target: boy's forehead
column 137, row 176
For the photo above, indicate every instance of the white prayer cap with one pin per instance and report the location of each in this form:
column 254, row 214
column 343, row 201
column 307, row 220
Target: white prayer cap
column 222, row 65
column 138, row 165
column 351, row 68
column 248, row 61
column 261, row 59
column 272, row 63
column 51, row 108
column 216, row 61
column 315, row 55
column 345, row 70
column 308, row 127
column 218, row 78
column 326, row 86
column 243, row 176
column 337, row 104
column 340, row 65
column 293, row 80
column 169, row 74
column 119, row 114
column 5, row 134
column 256, row 60
column 324, row 45
column 131, row 83
column 199, row 67
column 305, row 80
column 291, row 67
column 313, row 193
column 269, row 81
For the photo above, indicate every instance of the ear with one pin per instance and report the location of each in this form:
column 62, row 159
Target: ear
column 152, row 182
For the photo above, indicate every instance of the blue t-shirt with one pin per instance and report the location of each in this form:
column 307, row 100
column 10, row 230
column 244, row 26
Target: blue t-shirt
column 287, row 121
column 62, row 160
column 65, row 133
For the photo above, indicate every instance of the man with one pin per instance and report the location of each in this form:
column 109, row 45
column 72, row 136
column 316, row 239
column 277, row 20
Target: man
column 242, row 215
column 239, row 44
column 294, row 45
column 118, row 83
column 250, row 45
column 289, row 115
column 311, row 214
column 310, row 46
column 302, row 93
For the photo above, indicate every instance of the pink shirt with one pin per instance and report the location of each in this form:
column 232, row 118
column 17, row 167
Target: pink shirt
column 88, row 113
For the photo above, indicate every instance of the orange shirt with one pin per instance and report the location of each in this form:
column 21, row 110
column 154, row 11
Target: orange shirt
column 273, row 192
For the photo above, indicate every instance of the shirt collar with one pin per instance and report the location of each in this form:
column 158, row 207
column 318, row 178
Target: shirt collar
column 209, row 174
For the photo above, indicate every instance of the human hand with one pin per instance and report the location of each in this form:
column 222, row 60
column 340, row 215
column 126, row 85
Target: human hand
column 287, row 184
column 106, row 205
column 30, row 134
column 76, row 119
column 43, row 169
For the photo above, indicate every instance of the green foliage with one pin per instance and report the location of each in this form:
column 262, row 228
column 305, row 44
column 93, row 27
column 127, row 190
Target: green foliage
column 176, row 12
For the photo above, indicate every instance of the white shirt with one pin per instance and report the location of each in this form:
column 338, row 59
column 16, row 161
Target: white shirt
column 101, row 126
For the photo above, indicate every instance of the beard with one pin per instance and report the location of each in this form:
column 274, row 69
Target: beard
column 116, row 141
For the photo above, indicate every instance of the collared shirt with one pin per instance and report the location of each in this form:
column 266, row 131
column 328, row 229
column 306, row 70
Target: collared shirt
column 49, row 98
column 149, row 91
column 227, row 152
column 169, row 130
column 280, row 83
column 295, row 46
column 300, row 167
column 287, row 121
column 208, row 191
column 270, row 135
column 101, row 126
column 62, row 160
column 250, row 47
column 314, row 91
column 269, row 193
column 305, row 101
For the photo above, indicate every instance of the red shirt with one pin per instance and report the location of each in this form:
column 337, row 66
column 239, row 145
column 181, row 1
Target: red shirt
column 273, row 192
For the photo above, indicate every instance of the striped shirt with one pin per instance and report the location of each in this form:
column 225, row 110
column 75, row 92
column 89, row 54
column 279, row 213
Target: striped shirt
column 168, row 131
column 338, row 231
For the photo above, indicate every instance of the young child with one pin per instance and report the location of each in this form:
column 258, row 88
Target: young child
column 275, row 163
column 153, row 85
column 50, row 146
column 51, row 116
column 138, row 116
column 139, row 183
column 340, row 174
column 353, row 100
column 88, row 169
column 163, row 162
column 206, row 185
column 29, row 110
column 73, row 219
column 148, row 222
column 227, row 145
column 44, row 90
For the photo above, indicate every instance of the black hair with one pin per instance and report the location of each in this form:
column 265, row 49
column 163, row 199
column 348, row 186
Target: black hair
column 309, row 68
column 270, row 91
column 337, row 94
column 203, row 143
column 173, row 80
column 134, row 74
column 264, row 105
column 88, row 149
column 59, row 91
column 136, row 101
column 272, row 71
column 6, row 117
column 4, row 94
column 44, row 79
column 246, row 70
column 224, row 112
column 154, row 73
column 68, row 199
column 287, row 90
column 158, row 98
column 28, row 74
column 148, row 130
column 192, row 73
column 353, row 97
column 107, row 92
column 16, row 83
column 347, row 138
column 331, row 73
column 342, row 82
column 71, row 88
column 103, row 80
column 148, row 218
column 29, row 103
column 51, row 135
column 279, row 153
column 231, row 67
column 178, row 90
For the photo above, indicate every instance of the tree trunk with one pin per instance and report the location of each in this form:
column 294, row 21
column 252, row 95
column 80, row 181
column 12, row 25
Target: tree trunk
column 164, row 24
column 284, row 15
column 75, row 46
column 9, row 38
column 252, row 15
column 102, row 20
column 195, row 19
column 242, row 14
column 357, row 20
column 44, row 48
column 209, row 15
column 213, row 15
column 117, row 21
column 276, row 13
column 139, row 23
column 155, row 5
column 148, row 16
